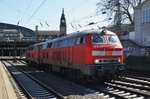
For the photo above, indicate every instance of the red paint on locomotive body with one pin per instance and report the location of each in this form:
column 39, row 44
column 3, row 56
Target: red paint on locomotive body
column 89, row 52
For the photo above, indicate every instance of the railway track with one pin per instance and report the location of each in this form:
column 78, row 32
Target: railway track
column 137, row 87
column 22, row 61
column 140, row 83
column 130, row 87
column 30, row 86
column 120, row 89
column 65, row 88
column 107, row 92
column 138, row 76
column 118, row 92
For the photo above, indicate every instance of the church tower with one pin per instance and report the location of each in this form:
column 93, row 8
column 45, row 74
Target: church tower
column 63, row 27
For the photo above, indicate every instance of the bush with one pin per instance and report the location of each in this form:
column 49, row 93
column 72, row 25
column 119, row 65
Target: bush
column 138, row 63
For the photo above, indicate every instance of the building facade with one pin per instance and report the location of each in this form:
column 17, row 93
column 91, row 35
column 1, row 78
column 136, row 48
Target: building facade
column 10, row 35
column 142, row 23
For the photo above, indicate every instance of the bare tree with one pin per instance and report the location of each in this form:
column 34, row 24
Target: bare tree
column 121, row 10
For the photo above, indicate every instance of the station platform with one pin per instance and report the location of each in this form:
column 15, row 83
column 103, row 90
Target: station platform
column 6, row 88
column 11, row 58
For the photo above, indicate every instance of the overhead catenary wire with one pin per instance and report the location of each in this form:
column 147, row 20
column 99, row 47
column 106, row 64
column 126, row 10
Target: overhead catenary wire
column 19, row 11
column 35, row 12
column 79, row 20
column 32, row 16
column 9, row 6
column 78, row 6
column 85, row 17
column 88, row 24
column 41, row 24
column 46, row 23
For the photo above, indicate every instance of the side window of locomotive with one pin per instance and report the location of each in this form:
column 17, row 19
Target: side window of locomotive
column 80, row 40
column 72, row 41
column 98, row 39
column 60, row 44
column 40, row 46
column 31, row 48
column 34, row 48
column 27, row 49
column 55, row 44
column 112, row 39
column 64, row 43
column 49, row 45
column 44, row 46
column 67, row 43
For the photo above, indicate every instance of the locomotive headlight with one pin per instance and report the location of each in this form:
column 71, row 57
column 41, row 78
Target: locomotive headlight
column 119, row 60
column 96, row 61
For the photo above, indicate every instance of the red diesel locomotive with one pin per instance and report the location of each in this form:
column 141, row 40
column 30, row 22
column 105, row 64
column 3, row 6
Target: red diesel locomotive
column 87, row 55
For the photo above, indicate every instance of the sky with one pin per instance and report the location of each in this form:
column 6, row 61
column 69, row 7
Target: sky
column 46, row 14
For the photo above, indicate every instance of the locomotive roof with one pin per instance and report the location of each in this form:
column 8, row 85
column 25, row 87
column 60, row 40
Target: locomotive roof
column 100, row 31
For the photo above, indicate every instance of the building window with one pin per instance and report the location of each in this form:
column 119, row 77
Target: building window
column 146, row 16
column 1, row 35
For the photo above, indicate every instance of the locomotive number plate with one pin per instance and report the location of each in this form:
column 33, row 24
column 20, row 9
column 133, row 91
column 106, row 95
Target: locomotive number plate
column 108, row 53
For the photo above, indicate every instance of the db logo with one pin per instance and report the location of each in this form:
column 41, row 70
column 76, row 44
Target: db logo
column 108, row 53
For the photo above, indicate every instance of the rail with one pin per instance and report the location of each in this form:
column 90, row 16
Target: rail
column 31, row 86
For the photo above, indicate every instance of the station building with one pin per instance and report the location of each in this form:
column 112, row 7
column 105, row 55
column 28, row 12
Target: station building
column 142, row 23
column 15, row 39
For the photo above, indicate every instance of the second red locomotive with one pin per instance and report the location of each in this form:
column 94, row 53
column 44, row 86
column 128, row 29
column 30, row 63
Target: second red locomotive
column 87, row 55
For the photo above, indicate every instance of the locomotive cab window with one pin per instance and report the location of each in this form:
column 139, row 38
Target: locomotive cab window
column 112, row 39
column 98, row 39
